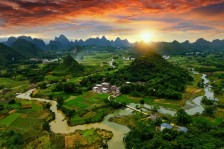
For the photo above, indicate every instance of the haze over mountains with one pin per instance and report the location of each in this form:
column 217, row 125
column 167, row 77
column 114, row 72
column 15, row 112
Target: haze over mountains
column 28, row 47
column 62, row 42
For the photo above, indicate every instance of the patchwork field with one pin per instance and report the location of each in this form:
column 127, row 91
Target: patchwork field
column 9, row 119
column 90, row 138
column 89, row 107
column 25, row 117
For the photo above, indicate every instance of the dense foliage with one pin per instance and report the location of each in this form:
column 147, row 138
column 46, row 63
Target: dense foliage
column 69, row 66
column 182, row 118
column 8, row 54
column 27, row 49
column 68, row 87
column 200, row 135
column 11, row 139
column 151, row 75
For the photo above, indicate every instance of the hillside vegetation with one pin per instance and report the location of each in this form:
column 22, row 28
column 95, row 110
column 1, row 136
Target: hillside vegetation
column 26, row 48
column 151, row 75
column 8, row 54
column 69, row 66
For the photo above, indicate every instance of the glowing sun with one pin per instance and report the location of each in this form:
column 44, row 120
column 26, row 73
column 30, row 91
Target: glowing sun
column 146, row 37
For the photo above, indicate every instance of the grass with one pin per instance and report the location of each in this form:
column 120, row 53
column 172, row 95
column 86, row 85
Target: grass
column 28, row 122
column 89, row 116
column 85, row 100
column 209, row 120
column 167, row 103
column 127, row 99
column 173, row 104
column 12, row 106
column 51, row 77
column 77, row 102
column 37, row 107
column 90, row 135
column 9, row 119
column 74, row 101
column 10, row 83
column 76, row 120
column 96, row 58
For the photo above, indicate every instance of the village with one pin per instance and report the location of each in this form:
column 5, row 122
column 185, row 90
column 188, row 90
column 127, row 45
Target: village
column 107, row 88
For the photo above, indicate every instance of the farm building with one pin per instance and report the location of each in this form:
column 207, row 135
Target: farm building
column 106, row 88
column 165, row 126
column 183, row 129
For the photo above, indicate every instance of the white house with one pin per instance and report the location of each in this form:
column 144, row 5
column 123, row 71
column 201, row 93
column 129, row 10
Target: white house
column 105, row 90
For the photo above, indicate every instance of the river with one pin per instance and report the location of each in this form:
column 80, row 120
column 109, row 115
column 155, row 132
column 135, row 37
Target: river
column 195, row 106
column 60, row 125
column 191, row 107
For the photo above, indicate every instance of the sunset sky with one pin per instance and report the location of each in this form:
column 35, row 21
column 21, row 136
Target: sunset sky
column 163, row 20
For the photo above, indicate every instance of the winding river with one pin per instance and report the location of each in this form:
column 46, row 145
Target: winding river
column 191, row 107
column 60, row 125
column 195, row 107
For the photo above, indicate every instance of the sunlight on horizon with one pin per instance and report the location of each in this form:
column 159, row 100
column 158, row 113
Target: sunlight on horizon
column 146, row 37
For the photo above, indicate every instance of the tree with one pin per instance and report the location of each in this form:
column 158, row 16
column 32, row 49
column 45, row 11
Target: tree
column 71, row 88
column 46, row 126
column 60, row 102
column 47, row 105
column 155, row 108
column 142, row 101
column 50, row 97
column 209, row 110
column 12, row 101
column 58, row 87
column 206, row 101
column 43, row 85
column 182, row 118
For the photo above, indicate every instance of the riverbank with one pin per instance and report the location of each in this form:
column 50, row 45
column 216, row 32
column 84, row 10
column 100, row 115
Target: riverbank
column 59, row 125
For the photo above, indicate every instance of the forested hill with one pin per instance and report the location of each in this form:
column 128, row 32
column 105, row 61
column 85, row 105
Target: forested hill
column 151, row 75
column 8, row 54
column 27, row 48
column 69, row 66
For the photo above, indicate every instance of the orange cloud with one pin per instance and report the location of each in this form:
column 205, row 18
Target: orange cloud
column 24, row 12
column 112, row 17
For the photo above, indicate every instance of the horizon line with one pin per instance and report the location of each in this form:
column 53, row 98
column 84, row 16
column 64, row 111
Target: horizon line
column 47, row 40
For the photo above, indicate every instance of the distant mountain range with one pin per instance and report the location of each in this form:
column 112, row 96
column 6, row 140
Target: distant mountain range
column 175, row 47
column 27, row 47
column 38, row 42
column 62, row 43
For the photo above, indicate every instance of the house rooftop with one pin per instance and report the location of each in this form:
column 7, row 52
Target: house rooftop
column 104, row 89
column 105, row 83
column 183, row 129
column 168, row 126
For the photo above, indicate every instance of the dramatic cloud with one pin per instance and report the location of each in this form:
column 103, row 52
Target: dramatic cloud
column 110, row 17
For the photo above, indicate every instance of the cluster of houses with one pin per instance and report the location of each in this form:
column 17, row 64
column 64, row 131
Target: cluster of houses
column 195, row 53
column 106, row 87
column 45, row 61
column 129, row 58
column 166, row 57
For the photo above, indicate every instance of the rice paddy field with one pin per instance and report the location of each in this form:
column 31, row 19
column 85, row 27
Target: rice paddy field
column 24, row 119
column 89, row 107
